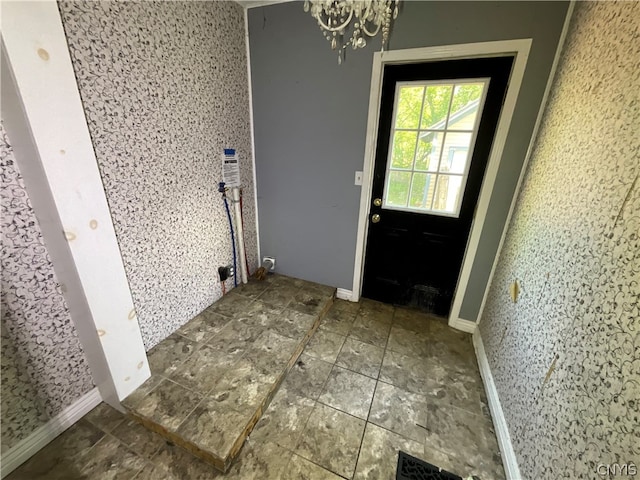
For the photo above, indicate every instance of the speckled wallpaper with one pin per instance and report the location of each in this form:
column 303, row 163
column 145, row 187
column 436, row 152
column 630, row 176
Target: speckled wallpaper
column 574, row 246
column 165, row 89
column 43, row 366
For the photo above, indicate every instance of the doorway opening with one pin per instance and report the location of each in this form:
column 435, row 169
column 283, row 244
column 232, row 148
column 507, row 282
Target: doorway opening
column 437, row 124
column 518, row 52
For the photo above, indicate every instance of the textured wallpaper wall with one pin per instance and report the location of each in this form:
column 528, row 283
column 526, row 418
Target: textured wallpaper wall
column 574, row 244
column 43, row 366
column 165, row 89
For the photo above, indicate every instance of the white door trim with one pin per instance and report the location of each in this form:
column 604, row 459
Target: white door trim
column 520, row 48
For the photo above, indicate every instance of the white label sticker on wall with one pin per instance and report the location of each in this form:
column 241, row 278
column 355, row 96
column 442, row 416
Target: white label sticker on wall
column 230, row 168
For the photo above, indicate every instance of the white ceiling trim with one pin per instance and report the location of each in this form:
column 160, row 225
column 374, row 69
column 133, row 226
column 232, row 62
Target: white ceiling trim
column 260, row 3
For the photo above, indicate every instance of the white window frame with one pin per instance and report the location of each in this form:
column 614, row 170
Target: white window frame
column 437, row 173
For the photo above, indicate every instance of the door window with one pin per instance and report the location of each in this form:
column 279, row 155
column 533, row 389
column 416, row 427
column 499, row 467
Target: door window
column 432, row 136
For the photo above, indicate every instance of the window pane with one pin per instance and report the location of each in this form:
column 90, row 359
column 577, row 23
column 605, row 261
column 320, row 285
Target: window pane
column 422, row 187
column 447, row 192
column 398, row 188
column 464, row 107
column 408, row 110
column 455, row 152
column 436, row 106
column 428, row 154
column 404, row 148
column 431, row 143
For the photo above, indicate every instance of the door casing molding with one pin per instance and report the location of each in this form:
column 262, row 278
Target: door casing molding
column 520, row 48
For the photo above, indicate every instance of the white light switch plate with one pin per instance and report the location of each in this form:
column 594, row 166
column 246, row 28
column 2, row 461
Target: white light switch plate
column 358, row 180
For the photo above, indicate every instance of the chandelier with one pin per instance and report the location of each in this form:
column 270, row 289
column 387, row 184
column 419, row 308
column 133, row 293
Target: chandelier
column 348, row 22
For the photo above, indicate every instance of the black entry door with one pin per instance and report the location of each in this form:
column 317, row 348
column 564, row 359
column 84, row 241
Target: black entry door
column 437, row 124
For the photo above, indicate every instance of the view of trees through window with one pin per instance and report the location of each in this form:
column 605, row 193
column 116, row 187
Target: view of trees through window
column 431, row 139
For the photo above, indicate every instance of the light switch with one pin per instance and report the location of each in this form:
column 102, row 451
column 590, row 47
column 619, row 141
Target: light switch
column 358, row 180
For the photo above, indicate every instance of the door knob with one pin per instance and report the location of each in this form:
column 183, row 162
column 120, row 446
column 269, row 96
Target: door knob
column 377, row 202
column 375, row 218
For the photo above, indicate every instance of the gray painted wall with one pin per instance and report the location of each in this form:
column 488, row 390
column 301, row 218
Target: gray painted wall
column 310, row 124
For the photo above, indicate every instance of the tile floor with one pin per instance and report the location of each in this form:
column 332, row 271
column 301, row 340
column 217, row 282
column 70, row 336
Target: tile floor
column 372, row 380
column 212, row 379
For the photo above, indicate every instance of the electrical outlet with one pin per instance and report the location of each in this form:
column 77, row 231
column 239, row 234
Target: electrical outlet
column 231, row 270
column 225, row 272
column 271, row 263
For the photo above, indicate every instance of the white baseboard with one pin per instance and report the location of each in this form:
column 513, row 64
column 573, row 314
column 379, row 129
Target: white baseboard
column 344, row 294
column 28, row 447
column 463, row 325
column 509, row 460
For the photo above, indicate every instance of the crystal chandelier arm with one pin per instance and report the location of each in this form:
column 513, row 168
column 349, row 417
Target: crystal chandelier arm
column 371, row 34
column 334, row 29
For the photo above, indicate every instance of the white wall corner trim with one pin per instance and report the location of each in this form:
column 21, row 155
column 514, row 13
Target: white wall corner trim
column 463, row 325
column 35, row 442
column 64, row 166
column 253, row 134
column 509, row 459
column 521, row 49
column 344, row 294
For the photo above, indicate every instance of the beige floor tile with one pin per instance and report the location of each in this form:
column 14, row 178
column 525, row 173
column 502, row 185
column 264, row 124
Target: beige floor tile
column 139, row 439
column 231, row 305
column 361, row 357
column 213, row 429
column 168, row 404
column 105, row 417
column 278, row 296
column 402, row 412
column 457, row 432
column 252, row 289
column 110, row 459
column 379, row 453
column 325, row 346
column 202, row 370
column 259, row 462
column 331, row 440
column 346, row 305
column 302, row 469
column 175, row 463
column 283, row 422
column 203, row 326
column 412, row 320
column 170, row 353
column 293, row 324
column 349, row 392
column 370, row 329
column 310, row 302
column 409, row 343
column 338, row 320
column 307, row 376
